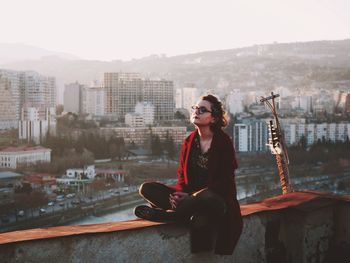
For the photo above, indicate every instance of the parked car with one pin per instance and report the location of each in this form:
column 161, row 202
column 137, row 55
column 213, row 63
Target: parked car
column 61, row 204
column 50, row 203
column 42, row 211
column 60, row 198
column 75, row 202
column 20, row 213
column 70, row 195
column 5, row 219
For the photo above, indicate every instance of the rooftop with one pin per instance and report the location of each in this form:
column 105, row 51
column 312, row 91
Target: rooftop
column 296, row 227
column 24, row 149
column 9, row 174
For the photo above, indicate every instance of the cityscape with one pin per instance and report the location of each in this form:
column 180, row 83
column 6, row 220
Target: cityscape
column 109, row 136
column 98, row 101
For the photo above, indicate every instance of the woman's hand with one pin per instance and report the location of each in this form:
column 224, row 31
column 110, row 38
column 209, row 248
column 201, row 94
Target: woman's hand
column 176, row 197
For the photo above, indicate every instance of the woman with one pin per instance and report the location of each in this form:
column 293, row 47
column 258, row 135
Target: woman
column 205, row 193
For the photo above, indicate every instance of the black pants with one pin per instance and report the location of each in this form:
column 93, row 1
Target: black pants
column 203, row 210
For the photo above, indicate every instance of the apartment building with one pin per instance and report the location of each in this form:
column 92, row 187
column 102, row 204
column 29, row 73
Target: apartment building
column 314, row 132
column 8, row 118
column 250, row 135
column 142, row 135
column 94, row 101
column 24, row 87
column 72, row 97
column 36, row 123
column 125, row 90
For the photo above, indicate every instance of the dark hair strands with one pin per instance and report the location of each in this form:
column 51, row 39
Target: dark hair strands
column 218, row 112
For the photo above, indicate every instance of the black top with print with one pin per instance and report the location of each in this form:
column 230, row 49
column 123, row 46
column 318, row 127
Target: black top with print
column 198, row 165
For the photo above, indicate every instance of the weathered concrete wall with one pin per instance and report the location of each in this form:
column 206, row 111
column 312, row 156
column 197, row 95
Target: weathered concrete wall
column 319, row 233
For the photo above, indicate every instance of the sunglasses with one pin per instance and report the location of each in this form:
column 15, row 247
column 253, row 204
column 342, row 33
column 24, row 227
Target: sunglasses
column 200, row 110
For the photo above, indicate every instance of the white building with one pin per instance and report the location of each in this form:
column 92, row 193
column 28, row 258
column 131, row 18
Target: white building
column 93, row 101
column 36, row 123
column 72, row 97
column 235, row 101
column 134, row 120
column 178, row 98
column 313, row 132
column 190, row 96
column 142, row 135
column 304, row 103
column 12, row 156
column 147, row 111
column 87, row 172
column 250, row 136
column 186, row 97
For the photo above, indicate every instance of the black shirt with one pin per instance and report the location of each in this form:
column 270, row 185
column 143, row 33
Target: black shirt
column 198, row 165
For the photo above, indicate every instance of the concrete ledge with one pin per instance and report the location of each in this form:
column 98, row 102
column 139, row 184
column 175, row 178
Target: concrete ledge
column 298, row 227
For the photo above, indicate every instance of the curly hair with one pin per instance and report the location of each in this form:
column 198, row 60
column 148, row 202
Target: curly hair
column 218, row 112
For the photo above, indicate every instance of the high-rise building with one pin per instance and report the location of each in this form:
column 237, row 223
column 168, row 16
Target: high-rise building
column 39, row 90
column 13, row 81
column 303, row 103
column 251, row 135
column 94, row 101
column 26, row 87
column 235, row 101
column 125, row 90
column 186, row 97
column 190, row 96
column 7, row 105
column 178, row 98
column 72, row 97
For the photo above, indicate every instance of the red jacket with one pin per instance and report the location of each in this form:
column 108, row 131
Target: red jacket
column 221, row 166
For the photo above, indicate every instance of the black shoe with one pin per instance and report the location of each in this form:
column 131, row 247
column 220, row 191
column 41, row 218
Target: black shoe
column 154, row 214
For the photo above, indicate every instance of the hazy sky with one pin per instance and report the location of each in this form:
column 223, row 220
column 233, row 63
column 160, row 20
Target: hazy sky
column 125, row 29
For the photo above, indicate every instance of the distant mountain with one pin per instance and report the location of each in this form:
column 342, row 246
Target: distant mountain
column 258, row 67
column 10, row 53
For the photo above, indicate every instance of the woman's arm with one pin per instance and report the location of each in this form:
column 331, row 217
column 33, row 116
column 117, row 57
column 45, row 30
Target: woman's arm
column 223, row 182
column 181, row 184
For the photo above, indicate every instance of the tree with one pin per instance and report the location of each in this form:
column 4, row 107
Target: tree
column 35, row 200
column 156, row 146
column 113, row 150
column 21, row 202
column 24, row 188
column 59, row 109
column 302, row 142
column 169, row 146
column 6, row 208
column 98, row 185
column 179, row 115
